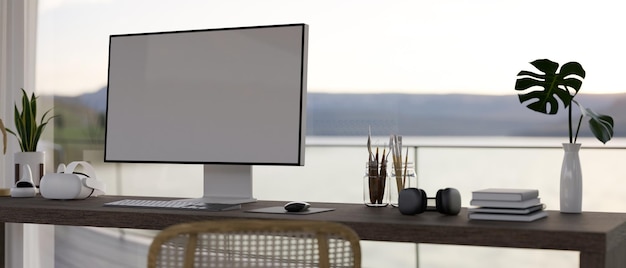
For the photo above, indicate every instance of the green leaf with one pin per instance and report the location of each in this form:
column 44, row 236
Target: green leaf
column 33, row 104
column 4, row 137
column 541, row 92
column 601, row 125
column 44, row 116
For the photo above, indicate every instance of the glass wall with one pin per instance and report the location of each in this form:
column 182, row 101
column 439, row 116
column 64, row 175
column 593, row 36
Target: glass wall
column 427, row 70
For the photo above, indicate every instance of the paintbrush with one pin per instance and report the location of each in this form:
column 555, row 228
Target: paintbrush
column 406, row 163
column 369, row 144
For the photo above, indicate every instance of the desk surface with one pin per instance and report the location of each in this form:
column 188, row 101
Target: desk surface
column 600, row 237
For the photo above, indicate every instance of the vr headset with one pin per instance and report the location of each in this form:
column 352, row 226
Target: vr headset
column 67, row 183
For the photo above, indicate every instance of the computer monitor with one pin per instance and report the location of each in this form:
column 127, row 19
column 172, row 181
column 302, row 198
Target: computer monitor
column 227, row 98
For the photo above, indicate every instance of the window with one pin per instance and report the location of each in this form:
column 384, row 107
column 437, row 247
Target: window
column 358, row 50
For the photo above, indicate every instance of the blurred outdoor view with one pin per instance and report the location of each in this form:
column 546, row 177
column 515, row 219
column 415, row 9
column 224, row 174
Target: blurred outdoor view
column 439, row 73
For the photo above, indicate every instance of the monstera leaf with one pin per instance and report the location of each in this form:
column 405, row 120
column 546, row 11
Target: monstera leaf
column 541, row 92
column 601, row 125
column 549, row 86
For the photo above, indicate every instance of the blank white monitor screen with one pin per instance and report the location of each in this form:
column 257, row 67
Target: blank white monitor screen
column 214, row 96
column 234, row 96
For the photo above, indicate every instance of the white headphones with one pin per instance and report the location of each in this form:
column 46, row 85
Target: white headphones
column 68, row 184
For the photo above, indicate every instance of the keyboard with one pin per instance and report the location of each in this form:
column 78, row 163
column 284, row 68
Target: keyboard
column 175, row 204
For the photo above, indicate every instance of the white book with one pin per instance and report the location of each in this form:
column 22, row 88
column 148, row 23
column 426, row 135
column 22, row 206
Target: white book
column 505, row 204
column 505, row 194
column 521, row 211
column 509, row 217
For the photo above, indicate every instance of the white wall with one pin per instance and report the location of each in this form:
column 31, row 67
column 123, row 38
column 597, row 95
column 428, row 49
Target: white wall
column 26, row 245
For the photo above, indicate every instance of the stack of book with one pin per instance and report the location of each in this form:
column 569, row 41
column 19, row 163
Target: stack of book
column 506, row 205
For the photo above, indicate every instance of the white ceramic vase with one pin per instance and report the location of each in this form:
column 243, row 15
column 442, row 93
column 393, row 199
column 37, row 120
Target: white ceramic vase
column 571, row 180
column 36, row 162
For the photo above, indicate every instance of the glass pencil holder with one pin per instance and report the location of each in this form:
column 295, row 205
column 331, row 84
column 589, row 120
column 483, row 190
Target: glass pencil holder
column 375, row 184
column 402, row 177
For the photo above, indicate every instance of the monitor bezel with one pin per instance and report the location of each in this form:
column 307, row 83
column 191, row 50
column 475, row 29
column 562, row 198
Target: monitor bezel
column 302, row 105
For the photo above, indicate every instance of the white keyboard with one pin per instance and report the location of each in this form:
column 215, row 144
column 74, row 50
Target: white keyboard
column 177, row 204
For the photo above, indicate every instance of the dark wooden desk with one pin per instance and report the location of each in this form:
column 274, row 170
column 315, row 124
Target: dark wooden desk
column 599, row 237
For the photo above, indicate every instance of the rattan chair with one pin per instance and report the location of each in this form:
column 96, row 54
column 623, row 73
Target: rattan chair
column 255, row 243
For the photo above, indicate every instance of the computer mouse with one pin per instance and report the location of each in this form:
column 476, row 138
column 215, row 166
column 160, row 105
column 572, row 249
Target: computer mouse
column 297, row 206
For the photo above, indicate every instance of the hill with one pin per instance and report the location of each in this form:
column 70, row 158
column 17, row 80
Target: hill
column 446, row 115
column 410, row 114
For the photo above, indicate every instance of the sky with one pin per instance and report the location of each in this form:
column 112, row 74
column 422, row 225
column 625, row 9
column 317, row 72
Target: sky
column 358, row 46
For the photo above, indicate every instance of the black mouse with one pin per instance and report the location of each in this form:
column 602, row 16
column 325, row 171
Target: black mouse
column 297, row 206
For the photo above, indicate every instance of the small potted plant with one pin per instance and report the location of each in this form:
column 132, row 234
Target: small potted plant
column 541, row 92
column 28, row 132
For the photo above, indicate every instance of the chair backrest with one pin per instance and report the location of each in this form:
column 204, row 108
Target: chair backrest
column 255, row 243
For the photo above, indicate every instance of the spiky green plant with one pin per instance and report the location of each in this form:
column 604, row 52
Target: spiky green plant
column 27, row 129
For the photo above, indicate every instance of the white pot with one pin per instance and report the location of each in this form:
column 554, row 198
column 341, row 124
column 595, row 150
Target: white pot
column 36, row 162
column 571, row 180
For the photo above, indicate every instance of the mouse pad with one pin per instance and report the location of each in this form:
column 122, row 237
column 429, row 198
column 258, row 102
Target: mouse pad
column 281, row 210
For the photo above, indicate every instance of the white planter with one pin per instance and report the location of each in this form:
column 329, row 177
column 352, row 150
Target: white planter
column 36, row 162
column 571, row 180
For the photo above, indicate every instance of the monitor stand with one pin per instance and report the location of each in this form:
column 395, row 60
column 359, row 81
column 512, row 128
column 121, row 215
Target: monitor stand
column 227, row 184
